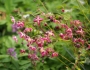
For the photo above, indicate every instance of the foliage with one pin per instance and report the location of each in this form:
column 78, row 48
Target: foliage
column 63, row 10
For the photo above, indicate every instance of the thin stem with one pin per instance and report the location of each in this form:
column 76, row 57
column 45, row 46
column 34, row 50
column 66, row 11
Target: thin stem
column 63, row 62
column 82, row 10
column 65, row 58
column 43, row 5
column 86, row 2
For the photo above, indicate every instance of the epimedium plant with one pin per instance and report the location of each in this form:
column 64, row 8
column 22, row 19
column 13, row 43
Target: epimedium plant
column 37, row 45
column 49, row 39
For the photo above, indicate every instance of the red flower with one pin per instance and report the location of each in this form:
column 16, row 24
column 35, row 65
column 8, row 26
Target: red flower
column 49, row 50
column 38, row 20
column 28, row 29
column 63, row 10
column 64, row 26
column 40, row 42
column 22, row 35
column 22, row 51
column 32, row 48
column 20, row 24
column 76, row 22
column 43, row 52
column 80, row 32
column 62, row 35
column 54, row 54
column 88, row 46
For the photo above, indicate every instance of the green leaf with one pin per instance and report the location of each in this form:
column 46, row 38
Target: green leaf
column 23, row 62
column 66, row 16
column 9, row 6
column 87, row 61
column 24, row 67
column 22, row 55
column 15, row 63
column 3, row 56
column 68, row 51
column 2, row 9
column 2, row 22
column 3, row 69
column 5, row 59
column 1, row 64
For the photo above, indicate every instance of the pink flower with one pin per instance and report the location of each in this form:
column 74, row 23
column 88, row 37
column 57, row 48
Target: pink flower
column 42, row 49
column 29, row 40
column 88, row 46
column 38, row 20
column 43, row 52
column 22, row 51
column 32, row 48
column 49, row 50
column 77, row 45
column 76, row 22
column 68, row 33
column 79, row 40
column 50, row 33
column 47, row 39
column 20, row 24
column 15, row 39
column 16, row 25
column 29, row 56
column 69, row 30
column 79, row 27
column 33, row 56
column 56, row 21
column 12, row 19
column 54, row 54
column 82, row 41
column 28, row 30
column 81, row 32
column 51, row 18
column 64, row 26
column 62, row 35
column 75, row 40
column 40, row 42
column 22, row 35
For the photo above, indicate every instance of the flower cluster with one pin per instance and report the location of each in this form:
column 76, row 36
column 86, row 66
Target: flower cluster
column 16, row 25
column 68, row 32
column 40, row 37
column 75, row 33
column 36, row 45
